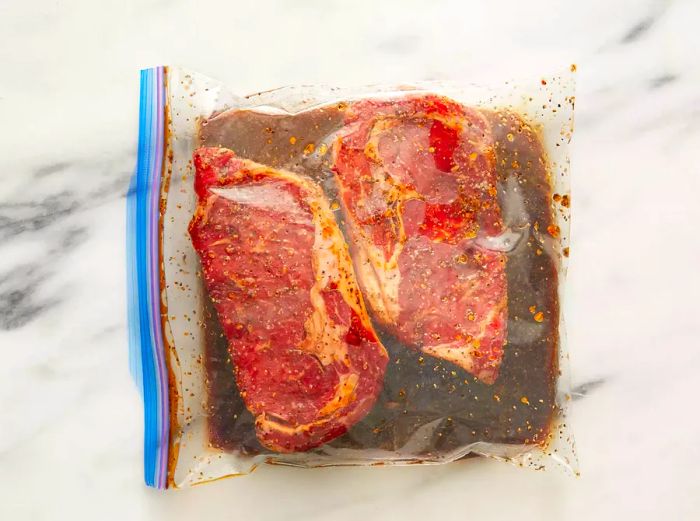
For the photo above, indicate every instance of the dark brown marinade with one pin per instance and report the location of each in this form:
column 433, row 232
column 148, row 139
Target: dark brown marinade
column 231, row 426
column 452, row 406
column 295, row 143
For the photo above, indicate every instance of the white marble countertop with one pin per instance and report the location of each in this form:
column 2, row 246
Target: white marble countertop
column 70, row 416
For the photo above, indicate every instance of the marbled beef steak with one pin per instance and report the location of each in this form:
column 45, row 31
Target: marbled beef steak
column 306, row 358
column 417, row 180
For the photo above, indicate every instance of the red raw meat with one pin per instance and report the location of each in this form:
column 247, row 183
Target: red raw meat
column 307, row 361
column 417, row 180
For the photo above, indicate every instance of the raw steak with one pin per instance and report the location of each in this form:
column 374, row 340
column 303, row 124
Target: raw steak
column 418, row 184
column 307, row 361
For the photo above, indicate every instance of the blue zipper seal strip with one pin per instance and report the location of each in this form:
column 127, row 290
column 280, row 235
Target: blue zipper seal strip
column 146, row 346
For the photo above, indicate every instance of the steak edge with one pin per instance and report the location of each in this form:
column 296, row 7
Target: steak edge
column 417, row 180
column 306, row 359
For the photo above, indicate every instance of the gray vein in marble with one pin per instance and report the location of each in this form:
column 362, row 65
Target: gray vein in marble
column 71, row 238
column 586, row 388
column 643, row 26
column 17, row 303
column 47, row 170
column 662, row 80
column 18, row 286
column 639, row 29
column 16, row 218
column 35, row 215
column 50, row 214
column 112, row 329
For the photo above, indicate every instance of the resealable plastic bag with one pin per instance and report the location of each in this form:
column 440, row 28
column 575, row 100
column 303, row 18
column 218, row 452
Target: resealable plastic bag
column 326, row 276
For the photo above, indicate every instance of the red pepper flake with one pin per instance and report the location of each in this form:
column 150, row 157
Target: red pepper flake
column 539, row 316
column 553, row 230
column 565, row 201
column 543, row 82
column 566, row 251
